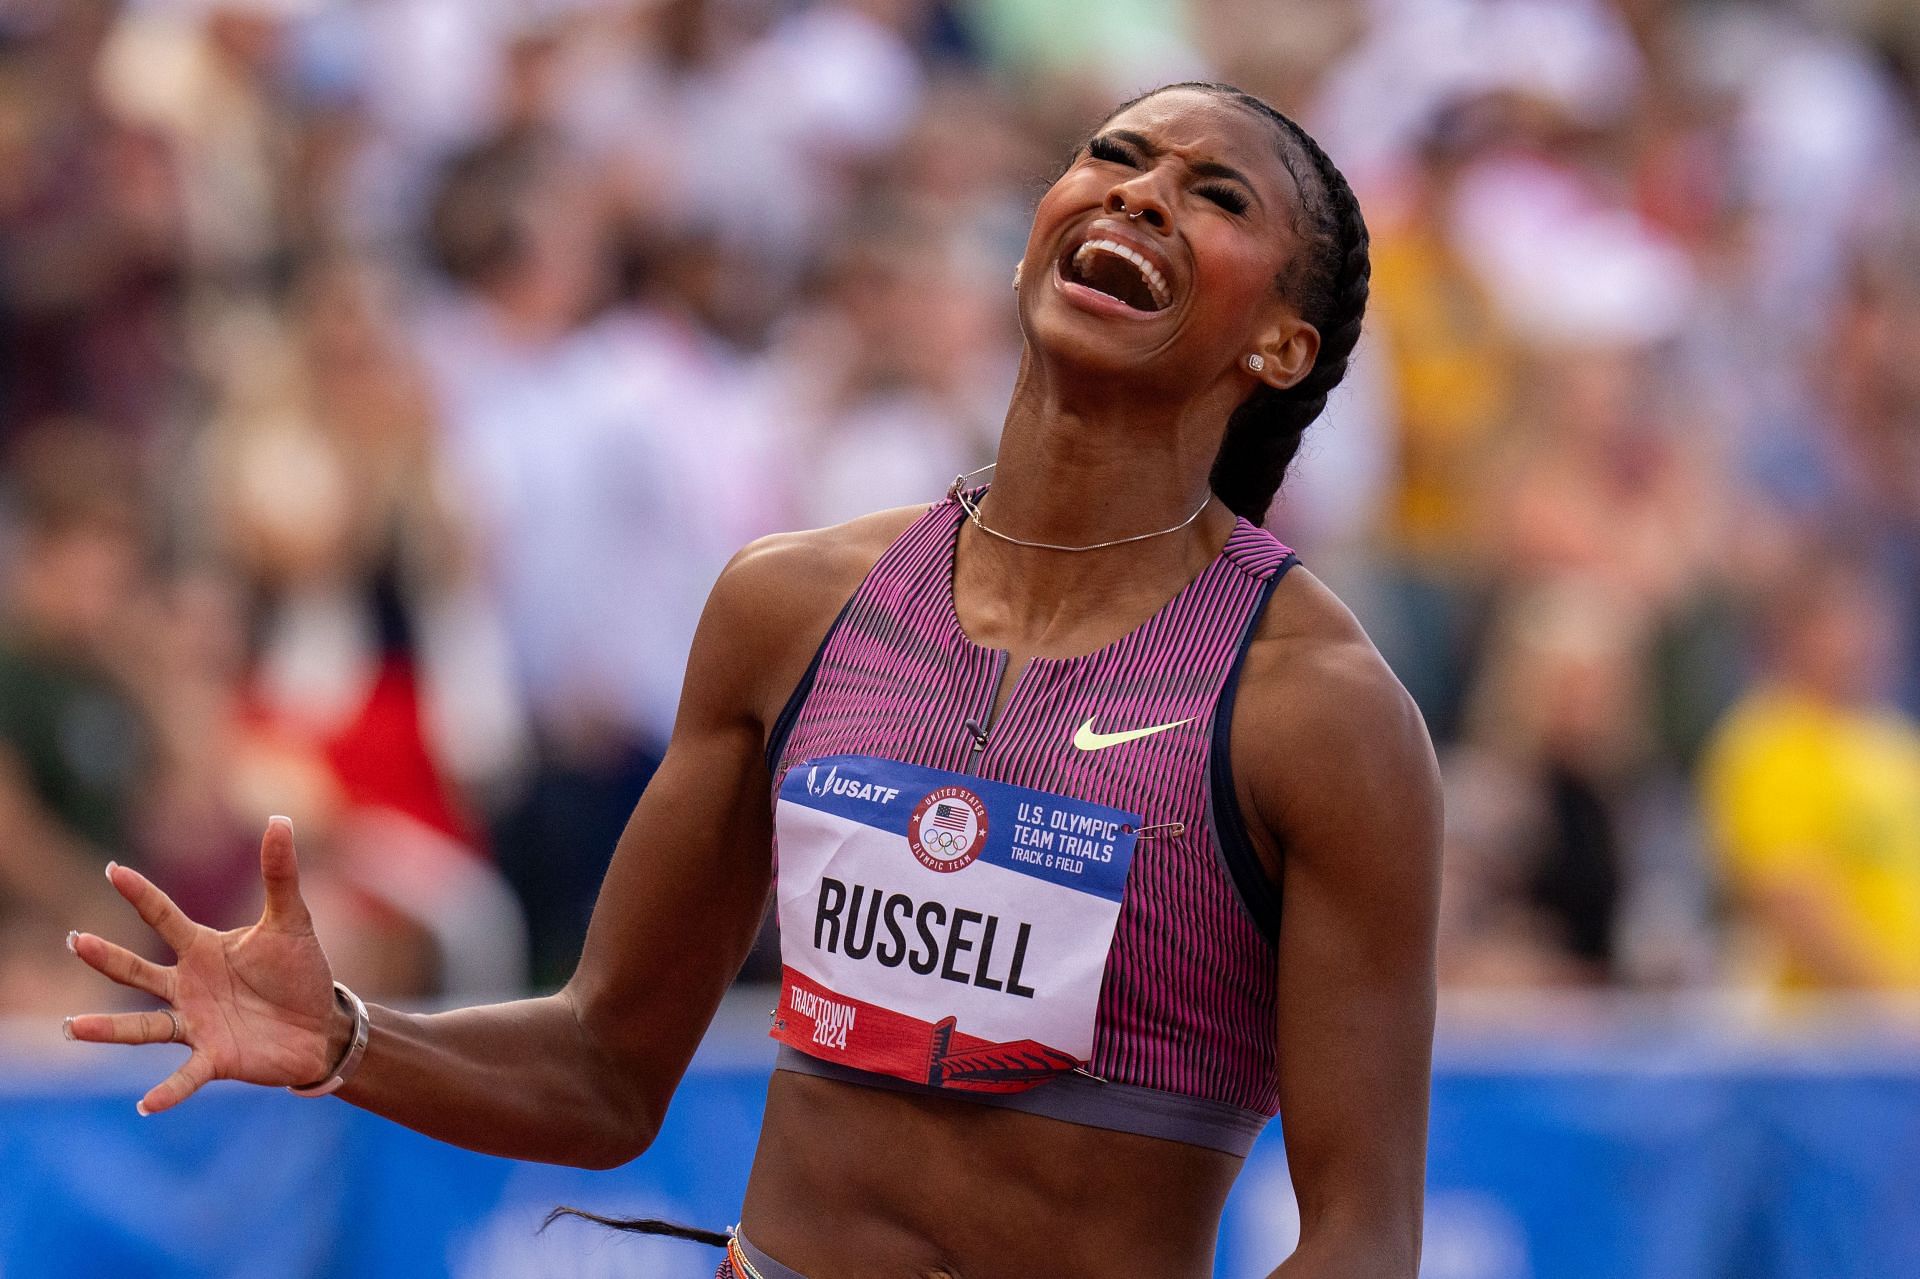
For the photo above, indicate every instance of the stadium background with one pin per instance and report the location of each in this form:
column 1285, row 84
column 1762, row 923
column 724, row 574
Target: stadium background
column 383, row 382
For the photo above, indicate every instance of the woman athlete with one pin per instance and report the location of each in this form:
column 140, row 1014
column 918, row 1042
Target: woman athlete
column 1103, row 832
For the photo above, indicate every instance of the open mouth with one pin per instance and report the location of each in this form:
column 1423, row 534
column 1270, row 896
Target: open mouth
column 1124, row 274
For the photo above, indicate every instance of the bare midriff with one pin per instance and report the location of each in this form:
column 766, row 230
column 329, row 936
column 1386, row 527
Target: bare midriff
column 853, row 1182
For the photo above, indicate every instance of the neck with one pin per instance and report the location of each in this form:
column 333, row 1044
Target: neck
column 1096, row 459
column 1078, row 469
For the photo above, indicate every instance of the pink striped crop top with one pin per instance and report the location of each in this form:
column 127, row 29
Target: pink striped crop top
column 1059, row 912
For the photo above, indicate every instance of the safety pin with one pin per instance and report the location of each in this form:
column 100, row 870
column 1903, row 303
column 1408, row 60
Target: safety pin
column 1173, row 830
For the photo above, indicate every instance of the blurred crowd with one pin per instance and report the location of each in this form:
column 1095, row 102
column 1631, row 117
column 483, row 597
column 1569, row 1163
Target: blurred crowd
column 383, row 382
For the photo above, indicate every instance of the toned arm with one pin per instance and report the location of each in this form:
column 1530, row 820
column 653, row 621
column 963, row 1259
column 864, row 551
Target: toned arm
column 1335, row 770
column 582, row 1076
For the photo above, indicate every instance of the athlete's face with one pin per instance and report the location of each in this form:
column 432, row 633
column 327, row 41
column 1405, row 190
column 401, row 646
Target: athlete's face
column 1184, row 291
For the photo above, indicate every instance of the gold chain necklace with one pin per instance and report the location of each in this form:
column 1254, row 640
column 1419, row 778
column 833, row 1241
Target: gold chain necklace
column 958, row 492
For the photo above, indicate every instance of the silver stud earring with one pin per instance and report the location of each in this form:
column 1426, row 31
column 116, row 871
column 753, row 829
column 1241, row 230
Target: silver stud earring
column 1016, row 276
column 1256, row 362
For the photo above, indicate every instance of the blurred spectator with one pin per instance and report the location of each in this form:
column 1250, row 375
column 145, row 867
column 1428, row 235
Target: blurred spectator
column 1451, row 352
column 373, row 675
column 1452, row 367
column 90, row 220
column 332, row 499
column 1813, row 790
column 883, row 379
column 212, row 78
column 601, row 456
column 1553, row 749
column 74, row 749
column 1856, row 468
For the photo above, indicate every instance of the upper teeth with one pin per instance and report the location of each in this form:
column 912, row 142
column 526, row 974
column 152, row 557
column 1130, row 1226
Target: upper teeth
column 1155, row 281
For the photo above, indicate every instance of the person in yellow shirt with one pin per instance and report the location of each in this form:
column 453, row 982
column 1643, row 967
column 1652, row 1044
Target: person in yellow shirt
column 1812, row 793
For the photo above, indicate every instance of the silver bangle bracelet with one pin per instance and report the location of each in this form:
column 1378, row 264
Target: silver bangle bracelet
column 356, row 1047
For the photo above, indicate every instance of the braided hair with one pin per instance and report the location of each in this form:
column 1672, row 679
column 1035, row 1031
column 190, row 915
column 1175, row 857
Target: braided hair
column 1327, row 282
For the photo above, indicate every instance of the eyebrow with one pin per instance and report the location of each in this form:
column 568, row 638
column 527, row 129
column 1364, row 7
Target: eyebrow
column 1204, row 168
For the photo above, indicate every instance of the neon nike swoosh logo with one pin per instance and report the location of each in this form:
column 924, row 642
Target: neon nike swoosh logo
column 1088, row 740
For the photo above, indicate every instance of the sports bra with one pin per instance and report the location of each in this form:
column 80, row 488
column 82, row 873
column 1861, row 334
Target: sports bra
column 1058, row 912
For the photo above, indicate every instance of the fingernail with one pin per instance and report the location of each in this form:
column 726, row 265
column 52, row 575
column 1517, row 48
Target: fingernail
column 110, row 869
column 284, row 821
column 141, row 1106
column 73, row 939
column 66, row 1027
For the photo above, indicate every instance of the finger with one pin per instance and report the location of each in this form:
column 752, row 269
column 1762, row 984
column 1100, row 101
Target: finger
column 121, row 1028
column 280, row 871
column 120, row 964
column 154, row 906
column 178, row 1086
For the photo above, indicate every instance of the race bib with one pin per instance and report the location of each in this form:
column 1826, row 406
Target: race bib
column 940, row 927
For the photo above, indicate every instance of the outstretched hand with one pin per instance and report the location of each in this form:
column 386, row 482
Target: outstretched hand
column 254, row 1004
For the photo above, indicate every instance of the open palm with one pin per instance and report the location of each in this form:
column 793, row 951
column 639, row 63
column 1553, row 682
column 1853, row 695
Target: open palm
column 254, row 1004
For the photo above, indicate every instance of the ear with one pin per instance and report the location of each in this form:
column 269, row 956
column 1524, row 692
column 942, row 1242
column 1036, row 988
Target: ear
column 1290, row 348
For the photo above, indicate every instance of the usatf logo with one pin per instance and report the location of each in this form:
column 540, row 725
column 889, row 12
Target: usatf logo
column 948, row 829
column 834, row 784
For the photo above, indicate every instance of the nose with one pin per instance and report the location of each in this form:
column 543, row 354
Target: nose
column 1139, row 200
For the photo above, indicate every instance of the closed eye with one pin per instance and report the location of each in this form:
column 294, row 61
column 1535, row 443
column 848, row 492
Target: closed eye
column 1113, row 152
column 1229, row 198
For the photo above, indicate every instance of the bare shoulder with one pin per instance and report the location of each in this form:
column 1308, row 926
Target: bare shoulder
column 1325, row 737
column 773, row 602
column 1312, row 665
column 836, row 554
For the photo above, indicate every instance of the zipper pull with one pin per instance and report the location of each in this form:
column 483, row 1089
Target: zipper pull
column 979, row 734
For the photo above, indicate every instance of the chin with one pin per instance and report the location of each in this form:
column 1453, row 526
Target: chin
column 1074, row 342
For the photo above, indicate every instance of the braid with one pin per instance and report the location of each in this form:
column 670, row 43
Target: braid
column 1328, row 282
column 639, row 1226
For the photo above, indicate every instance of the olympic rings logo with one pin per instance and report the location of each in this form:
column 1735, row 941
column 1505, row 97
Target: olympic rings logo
column 948, row 829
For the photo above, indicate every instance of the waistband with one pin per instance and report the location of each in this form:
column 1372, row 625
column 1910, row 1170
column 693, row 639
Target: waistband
column 744, row 1261
column 1080, row 1099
